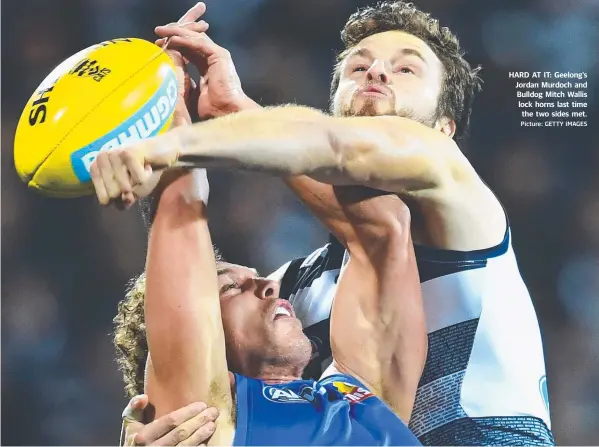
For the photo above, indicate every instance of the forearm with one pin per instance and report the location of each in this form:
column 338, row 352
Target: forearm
column 281, row 140
column 388, row 153
column 378, row 303
column 182, row 310
column 400, row 327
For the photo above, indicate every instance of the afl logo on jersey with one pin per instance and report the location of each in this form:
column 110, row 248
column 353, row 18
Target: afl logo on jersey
column 285, row 395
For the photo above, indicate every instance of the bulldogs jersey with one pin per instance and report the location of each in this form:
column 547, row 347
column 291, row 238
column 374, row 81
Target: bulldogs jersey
column 337, row 410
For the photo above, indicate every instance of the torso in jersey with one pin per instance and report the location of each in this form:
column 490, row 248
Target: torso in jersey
column 337, row 410
column 484, row 379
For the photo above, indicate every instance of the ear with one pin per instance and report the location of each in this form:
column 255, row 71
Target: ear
column 446, row 126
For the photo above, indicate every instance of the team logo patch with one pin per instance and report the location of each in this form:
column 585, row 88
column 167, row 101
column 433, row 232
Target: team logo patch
column 286, row 396
column 352, row 392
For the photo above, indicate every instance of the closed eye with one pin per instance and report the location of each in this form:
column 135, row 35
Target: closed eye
column 228, row 287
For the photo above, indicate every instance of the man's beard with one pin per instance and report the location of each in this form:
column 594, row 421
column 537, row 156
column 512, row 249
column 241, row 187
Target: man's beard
column 369, row 108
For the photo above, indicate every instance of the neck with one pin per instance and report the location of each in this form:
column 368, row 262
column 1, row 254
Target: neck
column 280, row 373
column 278, row 378
column 280, row 370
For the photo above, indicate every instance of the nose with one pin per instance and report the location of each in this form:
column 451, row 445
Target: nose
column 267, row 288
column 377, row 72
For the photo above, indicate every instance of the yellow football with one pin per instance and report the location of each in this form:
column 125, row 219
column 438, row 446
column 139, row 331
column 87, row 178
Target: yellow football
column 105, row 96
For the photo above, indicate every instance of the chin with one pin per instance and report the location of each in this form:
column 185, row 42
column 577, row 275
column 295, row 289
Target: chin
column 294, row 338
column 368, row 107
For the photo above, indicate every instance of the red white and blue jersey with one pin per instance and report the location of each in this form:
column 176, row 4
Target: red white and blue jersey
column 337, row 410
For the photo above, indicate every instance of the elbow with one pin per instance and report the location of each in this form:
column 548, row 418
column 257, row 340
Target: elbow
column 384, row 238
column 355, row 152
column 391, row 223
column 380, row 221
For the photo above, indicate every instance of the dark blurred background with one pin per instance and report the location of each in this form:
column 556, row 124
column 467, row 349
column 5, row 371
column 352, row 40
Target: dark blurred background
column 65, row 263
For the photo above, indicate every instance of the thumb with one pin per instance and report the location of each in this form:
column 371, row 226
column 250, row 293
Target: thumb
column 140, row 401
column 134, row 410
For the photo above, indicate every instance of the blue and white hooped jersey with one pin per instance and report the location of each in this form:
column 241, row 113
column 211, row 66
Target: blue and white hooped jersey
column 484, row 379
column 337, row 410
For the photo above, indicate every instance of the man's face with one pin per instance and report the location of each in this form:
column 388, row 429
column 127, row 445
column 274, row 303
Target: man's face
column 390, row 73
column 260, row 329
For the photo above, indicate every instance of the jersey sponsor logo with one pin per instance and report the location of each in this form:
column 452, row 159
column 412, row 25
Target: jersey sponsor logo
column 351, row 392
column 144, row 123
column 544, row 391
column 287, row 396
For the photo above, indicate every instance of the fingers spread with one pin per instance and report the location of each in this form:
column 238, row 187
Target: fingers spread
column 194, row 13
column 187, row 29
column 198, row 49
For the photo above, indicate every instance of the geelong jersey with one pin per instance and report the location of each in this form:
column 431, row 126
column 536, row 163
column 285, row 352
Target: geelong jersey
column 337, row 410
column 484, row 379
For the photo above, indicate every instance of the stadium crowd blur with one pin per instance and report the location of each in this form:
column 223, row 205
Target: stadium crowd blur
column 65, row 263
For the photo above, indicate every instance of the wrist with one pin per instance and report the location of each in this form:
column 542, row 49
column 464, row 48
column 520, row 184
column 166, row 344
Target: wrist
column 181, row 116
column 244, row 103
column 185, row 189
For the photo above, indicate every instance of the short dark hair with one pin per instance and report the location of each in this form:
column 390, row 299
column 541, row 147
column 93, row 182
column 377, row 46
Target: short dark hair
column 460, row 81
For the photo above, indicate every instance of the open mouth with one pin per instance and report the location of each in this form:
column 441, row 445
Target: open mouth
column 283, row 310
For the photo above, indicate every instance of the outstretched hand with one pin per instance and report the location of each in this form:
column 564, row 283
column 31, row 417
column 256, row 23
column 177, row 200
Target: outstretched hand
column 185, row 84
column 220, row 91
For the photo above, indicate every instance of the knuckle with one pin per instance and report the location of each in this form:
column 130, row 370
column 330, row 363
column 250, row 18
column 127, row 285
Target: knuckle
column 181, row 434
column 171, row 422
column 94, row 169
column 212, row 413
column 101, row 159
column 198, row 407
column 127, row 155
column 139, row 439
column 208, row 429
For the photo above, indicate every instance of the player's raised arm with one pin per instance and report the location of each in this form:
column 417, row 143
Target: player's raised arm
column 390, row 153
column 384, row 152
column 378, row 330
column 182, row 304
